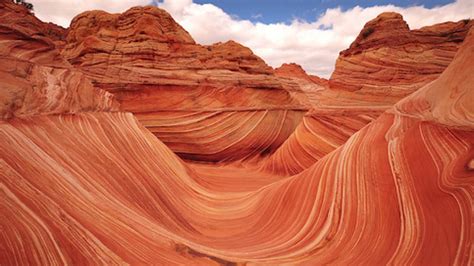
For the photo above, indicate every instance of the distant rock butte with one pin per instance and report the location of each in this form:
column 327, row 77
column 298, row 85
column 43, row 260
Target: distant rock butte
column 388, row 56
column 144, row 49
column 293, row 70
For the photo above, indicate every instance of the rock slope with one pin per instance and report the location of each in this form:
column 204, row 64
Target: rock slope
column 385, row 63
column 34, row 77
column 293, row 70
column 387, row 196
column 81, row 183
column 397, row 60
column 173, row 85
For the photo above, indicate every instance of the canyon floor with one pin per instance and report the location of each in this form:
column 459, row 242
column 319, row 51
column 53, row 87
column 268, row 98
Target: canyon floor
column 123, row 141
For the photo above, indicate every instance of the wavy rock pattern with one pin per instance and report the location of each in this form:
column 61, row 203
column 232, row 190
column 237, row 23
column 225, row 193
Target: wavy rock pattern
column 222, row 136
column 316, row 136
column 397, row 60
column 34, row 77
column 100, row 188
column 370, row 198
column 385, row 63
column 153, row 67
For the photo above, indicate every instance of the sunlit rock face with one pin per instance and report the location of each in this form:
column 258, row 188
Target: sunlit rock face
column 293, row 70
column 34, row 77
column 384, row 64
column 389, row 58
column 214, row 103
column 121, row 196
column 84, row 183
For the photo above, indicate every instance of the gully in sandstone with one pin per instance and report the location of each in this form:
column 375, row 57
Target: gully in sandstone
column 125, row 141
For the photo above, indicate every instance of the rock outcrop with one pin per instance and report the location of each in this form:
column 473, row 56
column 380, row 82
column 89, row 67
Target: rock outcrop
column 34, row 77
column 387, row 56
column 82, row 183
column 173, row 85
column 383, row 65
column 121, row 196
column 293, row 70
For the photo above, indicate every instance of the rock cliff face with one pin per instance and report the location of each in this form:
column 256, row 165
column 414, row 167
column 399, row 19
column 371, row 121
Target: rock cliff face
column 409, row 170
column 34, row 77
column 173, row 85
column 384, row 64
column 387, row 56
column 82, row 183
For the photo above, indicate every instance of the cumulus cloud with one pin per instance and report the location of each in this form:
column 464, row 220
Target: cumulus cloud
column 62, row 12
column 313, row 44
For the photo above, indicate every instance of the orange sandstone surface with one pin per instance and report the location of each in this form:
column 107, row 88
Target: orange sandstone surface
column 35, row 79
column 384, row 64
column 397, row 59
column 216, row 103
column 86, row 181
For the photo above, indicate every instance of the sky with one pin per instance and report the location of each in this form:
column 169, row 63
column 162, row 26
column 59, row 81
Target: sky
column 274, row 11
column 309, row 33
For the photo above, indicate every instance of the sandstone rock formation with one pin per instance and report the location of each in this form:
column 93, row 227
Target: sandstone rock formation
column 81, row 183
column 178, row 88
column 385, row 63
column 34, row 77
column 293, row 70
column 397, row 60
column 386, row 196
column 317, row 135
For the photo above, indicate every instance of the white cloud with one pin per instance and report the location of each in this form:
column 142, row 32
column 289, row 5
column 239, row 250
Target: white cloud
column 62, row 12
column 315, row 45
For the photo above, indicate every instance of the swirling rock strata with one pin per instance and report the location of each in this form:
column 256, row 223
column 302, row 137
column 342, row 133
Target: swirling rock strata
column 317, row 135
column 389, row 62
column 34, row 77
column 154, row 67
column 100, row 188
column 385, row 197
column 388, row 56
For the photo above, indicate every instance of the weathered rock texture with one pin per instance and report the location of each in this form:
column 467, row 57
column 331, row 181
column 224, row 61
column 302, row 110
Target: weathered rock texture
column 399, row 185
column 293, row 70
column 34, row 77
column 79, row 187
column 385, row 63
column 173, row 85
column 390, row 61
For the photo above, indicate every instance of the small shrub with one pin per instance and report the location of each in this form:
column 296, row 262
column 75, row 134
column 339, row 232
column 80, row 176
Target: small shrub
column 27, row 5
column 367, row 32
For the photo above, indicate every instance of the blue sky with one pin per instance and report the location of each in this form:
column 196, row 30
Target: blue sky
column 272, row 11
